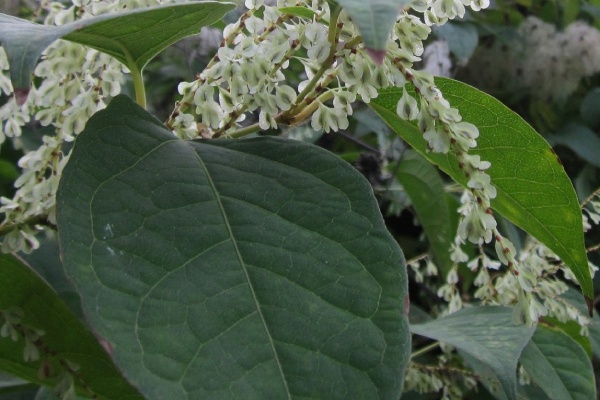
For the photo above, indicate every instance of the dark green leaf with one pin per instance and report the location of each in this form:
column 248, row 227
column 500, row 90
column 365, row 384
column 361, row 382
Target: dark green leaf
column 425, row 187
column 256, row 269
column 488, row 335
column 581, row 139
column 559, row 366
column 8, row 171
column 45, row 261
column 65, row 336
column 589, row 108
column 530, row 392
column 132, row 37
column 534, row 192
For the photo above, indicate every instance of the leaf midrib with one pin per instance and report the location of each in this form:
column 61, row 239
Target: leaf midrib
column 242, row 265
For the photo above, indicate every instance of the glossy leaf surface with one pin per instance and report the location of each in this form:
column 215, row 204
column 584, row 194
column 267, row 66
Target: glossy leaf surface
column 255, row 269
column 534, row 192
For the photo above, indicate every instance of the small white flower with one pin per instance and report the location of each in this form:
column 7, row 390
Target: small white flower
column 407, row 107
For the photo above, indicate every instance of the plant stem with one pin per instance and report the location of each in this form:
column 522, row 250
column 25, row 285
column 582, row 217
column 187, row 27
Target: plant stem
column 590, row 197
column 331, row 37
column 136, row 75
column 138, row 85
column 247, row 130
column 304, row 112
column 424, row 350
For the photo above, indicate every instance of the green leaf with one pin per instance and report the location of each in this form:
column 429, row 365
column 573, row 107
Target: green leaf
column 257, row 268
column 488, row 335
column 8, row 171
column 425, row 187
column 132, row 37
column 374, row 19
column 595, row 335
column 559, row 366
column 65, row 336
column 13, row 388
column 581, row 139
column 530, row 392
column 534, row 192
column 573, row 330
column 301, row 12
column 462, row 38
column 589, row 108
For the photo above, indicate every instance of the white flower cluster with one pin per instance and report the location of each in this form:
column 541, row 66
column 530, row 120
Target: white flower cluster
column 549, row 63
column 245, row 76
column 450, row 382
column 534, row 293
column 75, row 83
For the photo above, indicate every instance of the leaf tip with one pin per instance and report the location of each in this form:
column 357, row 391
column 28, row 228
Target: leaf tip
column 21, row 95
column 590, row 305
column 377, row 55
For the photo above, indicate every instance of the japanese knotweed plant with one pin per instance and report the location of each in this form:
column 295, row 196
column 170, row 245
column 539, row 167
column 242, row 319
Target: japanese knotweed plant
column 211, row 266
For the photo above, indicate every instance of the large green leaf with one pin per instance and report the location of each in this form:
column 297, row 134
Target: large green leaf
column 424, row 186
column 65, row 338
column 559, row 365
column 374, row 19
column 133, row 37
column 255, row 269
column 534, row 192
column 488, row 335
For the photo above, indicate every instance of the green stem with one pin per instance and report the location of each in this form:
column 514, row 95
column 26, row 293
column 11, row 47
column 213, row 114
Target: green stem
column 331, row 37
column 136, row 75
column 306, row 111
column 301, row 116
column 243, row 131
column 424, row 350
column 138, row 85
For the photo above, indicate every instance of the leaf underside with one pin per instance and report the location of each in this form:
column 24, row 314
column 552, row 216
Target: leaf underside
column 132, row 37
column 488, row 336
column 257, row 268
column 374, row 19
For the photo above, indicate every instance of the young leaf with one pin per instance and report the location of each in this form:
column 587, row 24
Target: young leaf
column 534, row 192
column 256, row 268
column 488, row 335
column 374, row 19
column 65, row 338
column 302, row 12
column 559, row 365
column 132, row 37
